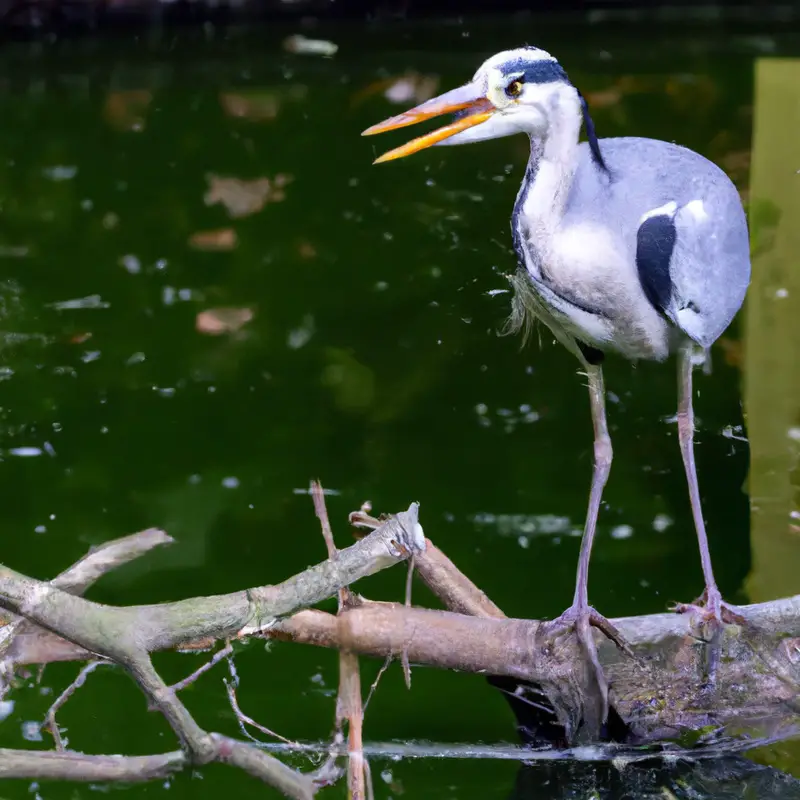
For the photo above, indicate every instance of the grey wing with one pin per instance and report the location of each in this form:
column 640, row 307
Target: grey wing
column 694, row 260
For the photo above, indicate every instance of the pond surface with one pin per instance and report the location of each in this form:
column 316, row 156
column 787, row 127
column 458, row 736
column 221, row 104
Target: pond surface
column 209, row 296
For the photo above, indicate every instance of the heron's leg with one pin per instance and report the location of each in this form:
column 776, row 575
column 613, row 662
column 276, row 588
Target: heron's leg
column 603, row 454
column 709, row 605
column 580, row 616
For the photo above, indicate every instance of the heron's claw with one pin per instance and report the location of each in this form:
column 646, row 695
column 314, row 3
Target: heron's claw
column 709, row 615
column 580, row 620
column 710, row 611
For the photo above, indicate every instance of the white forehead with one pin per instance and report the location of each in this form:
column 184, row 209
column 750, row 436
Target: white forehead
column 511, row 56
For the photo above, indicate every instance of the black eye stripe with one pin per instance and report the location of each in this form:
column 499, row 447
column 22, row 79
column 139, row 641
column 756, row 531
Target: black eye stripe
column 544, row 71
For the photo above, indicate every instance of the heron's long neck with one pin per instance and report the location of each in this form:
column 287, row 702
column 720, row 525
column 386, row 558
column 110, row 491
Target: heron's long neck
column 551, row 170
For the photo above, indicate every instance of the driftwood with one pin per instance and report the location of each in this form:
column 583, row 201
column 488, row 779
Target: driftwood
column 661, row 693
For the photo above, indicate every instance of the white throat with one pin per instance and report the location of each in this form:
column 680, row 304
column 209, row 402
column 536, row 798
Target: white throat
column 553, row 162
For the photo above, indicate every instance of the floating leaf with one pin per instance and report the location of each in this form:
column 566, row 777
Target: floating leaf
column 242, row 198
column 409, row 88
column 125, row 110
column 307, row 250
column 255, row 106
column 221, row 239
column 216, row 321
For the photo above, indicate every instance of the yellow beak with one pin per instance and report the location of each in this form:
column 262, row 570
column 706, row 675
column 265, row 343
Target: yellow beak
column 465, row 98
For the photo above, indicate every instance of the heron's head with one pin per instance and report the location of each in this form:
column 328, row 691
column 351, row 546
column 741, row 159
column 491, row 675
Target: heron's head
column 516, row 91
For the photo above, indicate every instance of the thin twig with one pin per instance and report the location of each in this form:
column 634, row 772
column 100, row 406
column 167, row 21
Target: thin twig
column 404, row 654
column 348, row 700
column 213, row 661
column 368, row 776
column 378, row 677
column 321, row 510
column 243, row 719
column 50, row 717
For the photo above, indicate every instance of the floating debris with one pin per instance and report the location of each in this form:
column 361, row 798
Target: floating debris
column 13, row 252
column 60, row 173
column 301, row 335
column 306, row 250
column 242, row 198
column 125, row 110
column 216, row 321
column 302, row 45
column 25, row 452
column 412, row 88
column 604, row 98
column 409, row 88
column 259, row 107
column 329, row 492
column 221, row 239
column 262, row 104
column 131, row 263
column 91, row 301
column 526, row 524
column 621, row 532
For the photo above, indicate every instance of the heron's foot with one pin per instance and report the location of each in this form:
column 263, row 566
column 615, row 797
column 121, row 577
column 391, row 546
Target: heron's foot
column 708, row 616
column 710, row 612
column 579, row 620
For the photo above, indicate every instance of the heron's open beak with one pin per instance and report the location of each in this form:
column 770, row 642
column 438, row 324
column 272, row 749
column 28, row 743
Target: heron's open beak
column 468, row 99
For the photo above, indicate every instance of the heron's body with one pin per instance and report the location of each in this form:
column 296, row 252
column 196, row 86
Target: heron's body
column 665, row 225
column 631, row 245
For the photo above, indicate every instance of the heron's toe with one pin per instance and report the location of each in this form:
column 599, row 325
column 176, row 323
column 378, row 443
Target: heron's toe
column 710, row 613
column 578, row 621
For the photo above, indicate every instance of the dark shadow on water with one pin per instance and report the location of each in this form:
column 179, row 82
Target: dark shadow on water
column 725, row 778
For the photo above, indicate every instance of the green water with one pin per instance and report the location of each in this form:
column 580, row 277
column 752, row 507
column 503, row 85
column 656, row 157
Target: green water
column 371, row 361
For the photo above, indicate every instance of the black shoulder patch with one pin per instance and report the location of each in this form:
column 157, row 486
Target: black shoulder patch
column 655, row 242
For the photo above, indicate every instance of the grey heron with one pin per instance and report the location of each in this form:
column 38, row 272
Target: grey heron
column 630, row 245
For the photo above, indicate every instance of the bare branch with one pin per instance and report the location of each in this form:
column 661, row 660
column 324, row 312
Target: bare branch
column 660, row 691
column 264, row 767
column 107, row 557
column 96, row 563
column 67, row 766
column 451, row 586
column 116, row 631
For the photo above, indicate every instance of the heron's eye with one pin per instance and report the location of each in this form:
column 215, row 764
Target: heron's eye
column 514, row 89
